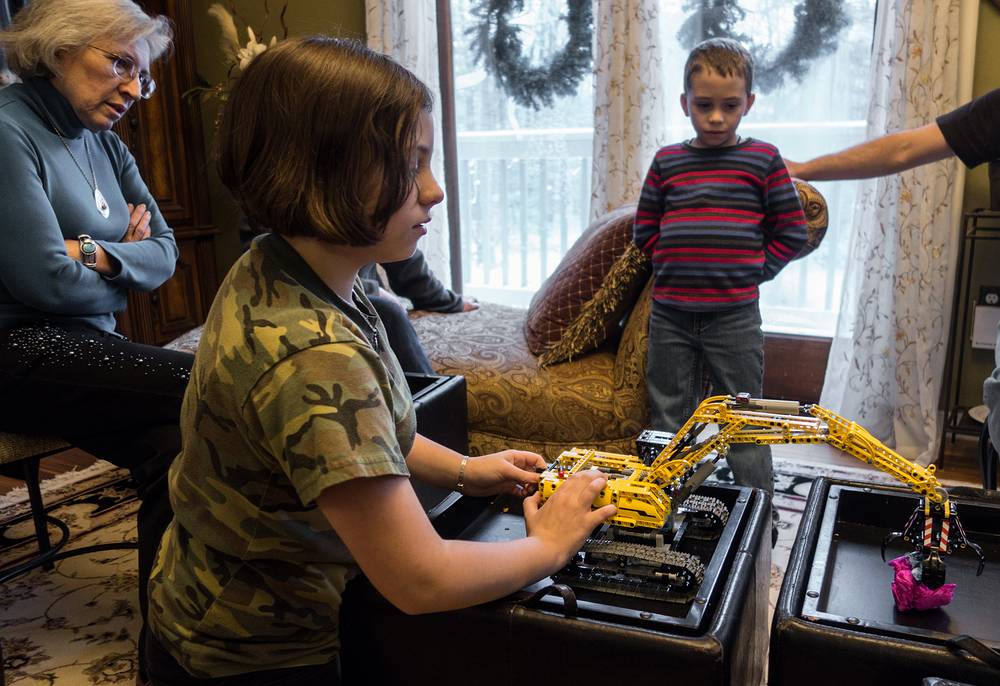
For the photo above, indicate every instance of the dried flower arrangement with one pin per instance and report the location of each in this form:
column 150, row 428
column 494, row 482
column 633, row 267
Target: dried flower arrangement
column 237, row 53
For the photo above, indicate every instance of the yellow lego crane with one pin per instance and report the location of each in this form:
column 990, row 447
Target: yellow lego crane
column 646, row 495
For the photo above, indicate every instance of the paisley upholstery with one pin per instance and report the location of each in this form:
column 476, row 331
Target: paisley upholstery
column 187, row 342
column 597, row 400
column 817, row 215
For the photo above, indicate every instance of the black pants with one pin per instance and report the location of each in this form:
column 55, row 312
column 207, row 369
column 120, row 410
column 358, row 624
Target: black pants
column 115, row 399
column 164, row 671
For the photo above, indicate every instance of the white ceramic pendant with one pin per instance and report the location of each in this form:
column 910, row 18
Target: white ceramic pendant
column 102, row 204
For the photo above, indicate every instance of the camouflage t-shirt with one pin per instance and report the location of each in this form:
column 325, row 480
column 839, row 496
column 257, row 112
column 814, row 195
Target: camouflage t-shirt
column 287, row 397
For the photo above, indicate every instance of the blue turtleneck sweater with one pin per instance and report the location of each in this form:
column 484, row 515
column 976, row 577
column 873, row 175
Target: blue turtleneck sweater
column 45, row 199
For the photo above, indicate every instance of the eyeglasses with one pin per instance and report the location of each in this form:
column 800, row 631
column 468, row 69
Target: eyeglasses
column 127, row 70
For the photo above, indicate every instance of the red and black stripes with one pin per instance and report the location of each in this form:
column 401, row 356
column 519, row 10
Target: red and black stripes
column 717, row 222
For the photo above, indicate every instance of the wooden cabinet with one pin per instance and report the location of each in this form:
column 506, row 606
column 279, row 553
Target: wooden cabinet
column 164, row 134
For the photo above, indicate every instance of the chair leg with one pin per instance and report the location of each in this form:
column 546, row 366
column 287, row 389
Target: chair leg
column 32, row 483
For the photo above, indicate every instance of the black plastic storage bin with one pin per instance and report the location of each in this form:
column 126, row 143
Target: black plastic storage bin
column 836, row 623
column 552, row 635
column 441, row 407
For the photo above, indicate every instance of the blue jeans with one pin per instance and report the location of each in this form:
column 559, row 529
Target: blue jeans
column 729, row 347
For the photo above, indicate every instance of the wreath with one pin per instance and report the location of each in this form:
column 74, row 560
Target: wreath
column 498, row 46
column 818, row 24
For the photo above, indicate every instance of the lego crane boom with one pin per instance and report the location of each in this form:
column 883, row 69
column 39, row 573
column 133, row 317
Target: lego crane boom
column 768, row 422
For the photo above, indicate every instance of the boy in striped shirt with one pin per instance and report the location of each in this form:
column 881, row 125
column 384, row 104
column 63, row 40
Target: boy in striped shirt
column 718, row 215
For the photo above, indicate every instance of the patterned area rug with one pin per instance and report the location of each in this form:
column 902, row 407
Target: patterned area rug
column 78, row 624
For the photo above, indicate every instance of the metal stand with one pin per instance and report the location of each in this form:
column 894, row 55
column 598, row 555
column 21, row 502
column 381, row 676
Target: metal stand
column 978, row 225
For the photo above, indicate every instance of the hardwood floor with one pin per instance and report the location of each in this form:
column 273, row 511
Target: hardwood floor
column 961, row 461
column 66, row 461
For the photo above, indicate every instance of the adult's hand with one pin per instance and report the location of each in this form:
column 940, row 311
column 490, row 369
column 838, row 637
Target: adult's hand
column 469, row 304
column 138, row 223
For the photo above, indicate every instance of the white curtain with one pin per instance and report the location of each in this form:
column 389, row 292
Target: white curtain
column 406, row 30
column 628, row 112
column 888, row 353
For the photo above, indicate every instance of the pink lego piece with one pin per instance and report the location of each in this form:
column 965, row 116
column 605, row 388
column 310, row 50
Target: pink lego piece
column 911, row 594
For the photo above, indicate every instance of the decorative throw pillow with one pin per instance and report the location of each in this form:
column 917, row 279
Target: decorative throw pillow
column 817, row 217
column 595, row 284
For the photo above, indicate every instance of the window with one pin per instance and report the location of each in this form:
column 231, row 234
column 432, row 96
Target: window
column 525, row 175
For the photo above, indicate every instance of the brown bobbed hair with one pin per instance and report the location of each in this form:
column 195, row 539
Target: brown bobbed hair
column 724, row 56
column 316, row 139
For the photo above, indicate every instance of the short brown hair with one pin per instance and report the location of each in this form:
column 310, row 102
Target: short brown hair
column 724, row 56
column 312, row 130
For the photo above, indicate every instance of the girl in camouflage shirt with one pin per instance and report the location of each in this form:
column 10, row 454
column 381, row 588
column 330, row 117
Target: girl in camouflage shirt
column 299, row 435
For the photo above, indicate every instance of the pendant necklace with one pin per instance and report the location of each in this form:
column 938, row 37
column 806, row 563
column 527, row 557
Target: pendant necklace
column 99, row 201
column 370, row 319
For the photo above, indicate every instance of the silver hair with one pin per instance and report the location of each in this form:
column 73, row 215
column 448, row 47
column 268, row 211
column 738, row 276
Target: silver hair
column 46, row 27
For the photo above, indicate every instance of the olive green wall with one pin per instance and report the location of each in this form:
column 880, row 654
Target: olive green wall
column 979, row 364
column 336, row 17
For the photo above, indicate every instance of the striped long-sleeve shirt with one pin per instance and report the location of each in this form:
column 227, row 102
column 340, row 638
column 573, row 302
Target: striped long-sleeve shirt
column 717, row 222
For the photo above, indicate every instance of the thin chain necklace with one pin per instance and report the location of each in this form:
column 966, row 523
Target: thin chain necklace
column 102, row 204
column 371, row 318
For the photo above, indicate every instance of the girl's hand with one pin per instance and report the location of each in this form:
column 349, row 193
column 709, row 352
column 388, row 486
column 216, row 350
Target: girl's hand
column 138, row 224
column 567, row 518
column 511, row 471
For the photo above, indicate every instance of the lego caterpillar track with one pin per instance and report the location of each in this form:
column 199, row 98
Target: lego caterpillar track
column 636, row 570
column 707, row 512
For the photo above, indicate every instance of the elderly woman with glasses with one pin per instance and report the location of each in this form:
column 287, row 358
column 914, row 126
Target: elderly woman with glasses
column 79, row 230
